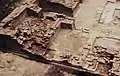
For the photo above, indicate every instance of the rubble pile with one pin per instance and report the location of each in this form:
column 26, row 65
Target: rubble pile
column 33, row 33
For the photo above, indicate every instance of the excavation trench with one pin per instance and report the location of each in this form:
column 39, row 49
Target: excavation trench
column 16, row 48
column 39, row 31
column 55, row 7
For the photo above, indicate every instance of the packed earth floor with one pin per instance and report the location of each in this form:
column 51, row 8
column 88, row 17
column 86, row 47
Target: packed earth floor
column 59, row 38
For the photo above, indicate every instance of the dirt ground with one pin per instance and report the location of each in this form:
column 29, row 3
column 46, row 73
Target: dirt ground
column 13, row 65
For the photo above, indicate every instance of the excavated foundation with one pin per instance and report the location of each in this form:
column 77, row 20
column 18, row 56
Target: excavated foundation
column 46, row 32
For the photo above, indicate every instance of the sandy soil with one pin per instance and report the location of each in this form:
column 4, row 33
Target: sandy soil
column 68, row 41
column 13, row 65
